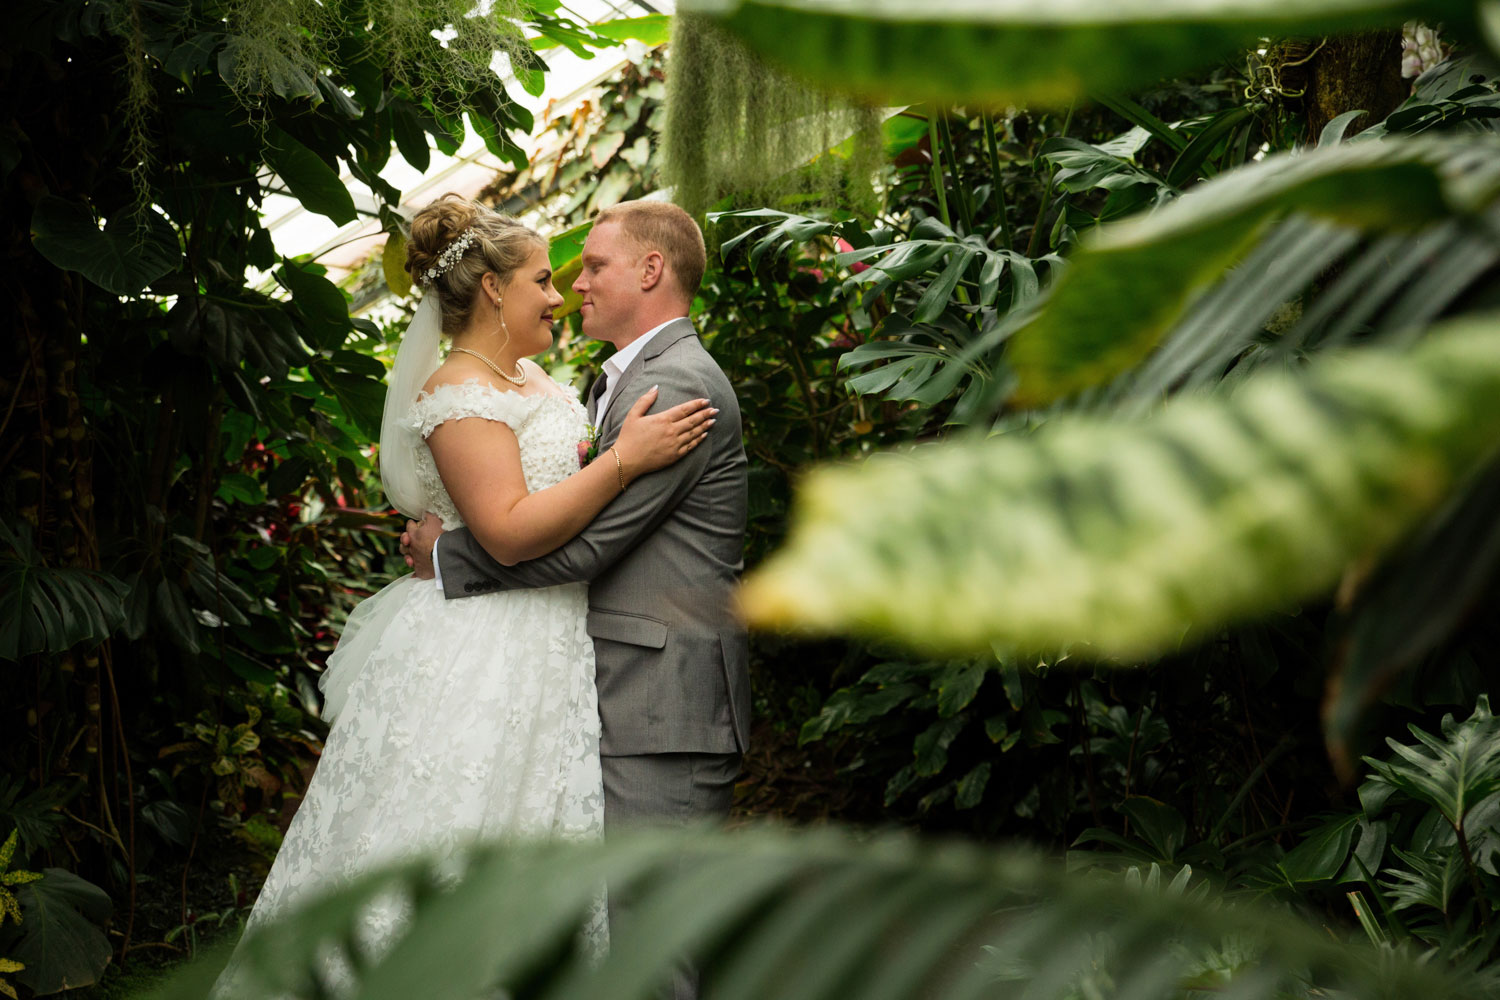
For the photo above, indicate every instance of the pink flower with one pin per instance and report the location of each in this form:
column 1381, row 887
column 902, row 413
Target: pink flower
column 588, row 448
column 844, row 246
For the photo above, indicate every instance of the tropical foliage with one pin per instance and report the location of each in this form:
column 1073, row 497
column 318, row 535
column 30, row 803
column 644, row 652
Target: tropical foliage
column 824, row 914
column 188, row 413
column 1216, row 390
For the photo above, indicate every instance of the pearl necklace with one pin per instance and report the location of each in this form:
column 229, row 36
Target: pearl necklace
column 512, row 379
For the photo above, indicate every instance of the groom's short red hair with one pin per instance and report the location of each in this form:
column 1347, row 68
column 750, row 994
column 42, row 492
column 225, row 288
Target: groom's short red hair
column 667, row 229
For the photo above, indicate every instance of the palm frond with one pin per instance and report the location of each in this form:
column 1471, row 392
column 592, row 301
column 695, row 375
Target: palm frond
column 814, row 915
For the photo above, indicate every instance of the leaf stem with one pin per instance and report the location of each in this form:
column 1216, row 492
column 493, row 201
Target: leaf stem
column 995, row 181
column 959, row 191
column 1479, row 899
column 1286, row 744
column 937, row 167
column 1041, row 212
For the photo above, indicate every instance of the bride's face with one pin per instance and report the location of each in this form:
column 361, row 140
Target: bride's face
column 528, row 303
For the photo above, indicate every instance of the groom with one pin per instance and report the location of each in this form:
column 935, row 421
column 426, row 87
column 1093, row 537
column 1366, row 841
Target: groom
column 662, row 559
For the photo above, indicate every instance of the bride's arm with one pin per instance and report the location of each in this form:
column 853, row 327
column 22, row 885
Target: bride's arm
column 479, row 461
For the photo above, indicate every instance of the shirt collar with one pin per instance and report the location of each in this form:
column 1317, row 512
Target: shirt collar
column 621, row 359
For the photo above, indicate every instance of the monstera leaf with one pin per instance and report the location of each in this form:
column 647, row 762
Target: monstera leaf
column 129, row 253
column 1128, row 536
column 51, row 609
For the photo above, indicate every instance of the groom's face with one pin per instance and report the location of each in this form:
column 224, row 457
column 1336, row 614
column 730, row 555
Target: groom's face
column 610, row 283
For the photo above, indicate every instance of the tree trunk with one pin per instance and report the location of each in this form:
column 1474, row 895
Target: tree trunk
column 1354, row 72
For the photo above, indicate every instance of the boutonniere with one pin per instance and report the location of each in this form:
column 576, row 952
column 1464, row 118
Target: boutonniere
column 588, row 448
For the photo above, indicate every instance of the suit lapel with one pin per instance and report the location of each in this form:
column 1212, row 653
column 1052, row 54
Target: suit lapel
column 665, row 338
column 591, row 405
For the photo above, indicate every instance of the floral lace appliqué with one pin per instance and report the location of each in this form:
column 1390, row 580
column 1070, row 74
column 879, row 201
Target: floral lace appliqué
column 473, row 718
column 548, row 425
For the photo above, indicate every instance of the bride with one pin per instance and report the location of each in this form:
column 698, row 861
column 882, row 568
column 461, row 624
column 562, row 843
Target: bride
column 459, row 720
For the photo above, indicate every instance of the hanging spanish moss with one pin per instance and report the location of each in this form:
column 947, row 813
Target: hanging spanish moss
column 140, row 101
column 736, row 127
column 401, row 38
column 279, row 45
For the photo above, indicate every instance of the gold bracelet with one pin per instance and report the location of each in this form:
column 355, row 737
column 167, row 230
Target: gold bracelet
column 619, row 467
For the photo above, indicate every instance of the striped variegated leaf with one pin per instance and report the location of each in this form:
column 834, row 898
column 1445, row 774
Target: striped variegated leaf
column 1123, row 538
column 1147, row 270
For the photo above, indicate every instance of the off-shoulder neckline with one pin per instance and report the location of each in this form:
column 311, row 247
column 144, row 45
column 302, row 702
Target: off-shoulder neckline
column 567, row 394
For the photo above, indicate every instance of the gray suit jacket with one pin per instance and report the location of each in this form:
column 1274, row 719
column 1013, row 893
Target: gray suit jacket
column 662, row 561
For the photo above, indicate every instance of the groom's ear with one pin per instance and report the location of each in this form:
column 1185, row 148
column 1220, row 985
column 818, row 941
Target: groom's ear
column 653, row 268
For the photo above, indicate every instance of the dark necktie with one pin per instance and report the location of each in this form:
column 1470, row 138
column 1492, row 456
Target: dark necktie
column 600, row 384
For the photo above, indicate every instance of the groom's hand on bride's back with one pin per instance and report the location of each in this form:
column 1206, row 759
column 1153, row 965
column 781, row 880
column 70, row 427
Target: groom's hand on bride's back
column 417, row 542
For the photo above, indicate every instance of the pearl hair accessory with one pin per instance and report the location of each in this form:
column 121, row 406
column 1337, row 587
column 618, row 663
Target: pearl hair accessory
column 449, row 257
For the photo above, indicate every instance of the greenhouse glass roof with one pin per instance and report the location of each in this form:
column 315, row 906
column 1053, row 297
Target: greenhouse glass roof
column 342, row 249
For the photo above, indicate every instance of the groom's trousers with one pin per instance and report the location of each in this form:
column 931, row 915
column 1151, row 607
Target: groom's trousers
column 665, row 789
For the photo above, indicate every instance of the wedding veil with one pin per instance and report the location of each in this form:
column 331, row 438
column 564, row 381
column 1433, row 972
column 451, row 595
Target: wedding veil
column 416, row 360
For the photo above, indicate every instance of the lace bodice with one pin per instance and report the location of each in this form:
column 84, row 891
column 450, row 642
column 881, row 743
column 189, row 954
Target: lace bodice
column 466, row 720
column 548, row 425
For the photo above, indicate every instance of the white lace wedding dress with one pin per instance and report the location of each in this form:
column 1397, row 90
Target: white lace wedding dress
column 465, row 719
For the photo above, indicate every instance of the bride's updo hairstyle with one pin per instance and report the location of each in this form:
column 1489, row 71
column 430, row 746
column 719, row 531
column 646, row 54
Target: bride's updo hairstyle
column 497, row 243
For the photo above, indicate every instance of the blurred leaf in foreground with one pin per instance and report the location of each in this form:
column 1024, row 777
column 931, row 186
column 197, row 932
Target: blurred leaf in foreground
column 1129, row 536
column 813, row 914
column 1148, row 269
column 1023, row 52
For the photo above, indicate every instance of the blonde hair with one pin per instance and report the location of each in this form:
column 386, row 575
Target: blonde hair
column 667, row 229
column 500, row 244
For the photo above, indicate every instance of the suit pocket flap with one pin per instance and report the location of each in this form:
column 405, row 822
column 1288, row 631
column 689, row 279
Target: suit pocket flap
column 638, row 630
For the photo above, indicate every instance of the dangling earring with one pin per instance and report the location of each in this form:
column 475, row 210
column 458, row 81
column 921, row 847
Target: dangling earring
column 500, row 310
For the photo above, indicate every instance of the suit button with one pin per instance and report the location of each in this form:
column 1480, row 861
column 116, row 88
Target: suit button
column 468, row 588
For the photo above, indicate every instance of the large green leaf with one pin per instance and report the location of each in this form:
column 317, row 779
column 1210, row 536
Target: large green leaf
column 1452, row 773
column 565, row 253
column 1149, row 268
column 1002, row 52
column 50, row 610
column 360, row 396
column 320, row 301
column 393, row 265
column 61, row 941
column 1386, row 288
column 1130, row 536
column 926, row 356
column 651, row 29
column 127, row 255
column 312, row 181
column 256, row 330
column 810, row 915
column 1322, row 854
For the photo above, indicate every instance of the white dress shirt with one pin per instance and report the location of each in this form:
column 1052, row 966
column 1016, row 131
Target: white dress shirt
column 614, row 368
